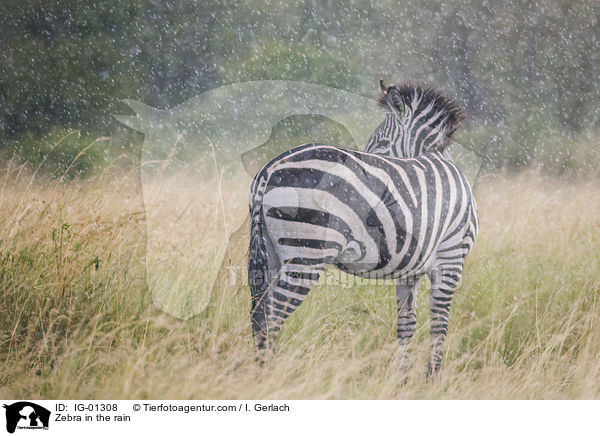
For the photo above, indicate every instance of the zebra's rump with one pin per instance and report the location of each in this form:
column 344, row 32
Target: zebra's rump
column 369, row 215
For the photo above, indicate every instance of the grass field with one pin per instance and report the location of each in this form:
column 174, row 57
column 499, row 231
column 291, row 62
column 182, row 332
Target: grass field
column 77, row 319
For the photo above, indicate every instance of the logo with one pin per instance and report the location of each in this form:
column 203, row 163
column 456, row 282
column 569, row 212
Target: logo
column 26, row 415
column 207, row 150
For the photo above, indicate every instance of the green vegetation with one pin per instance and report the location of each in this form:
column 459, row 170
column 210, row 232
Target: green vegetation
column 524, row 71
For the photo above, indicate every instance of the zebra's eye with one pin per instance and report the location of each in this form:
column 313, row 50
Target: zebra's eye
column 382, row 146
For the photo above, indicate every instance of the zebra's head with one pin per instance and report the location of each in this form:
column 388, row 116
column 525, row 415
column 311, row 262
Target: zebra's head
column 419, row 120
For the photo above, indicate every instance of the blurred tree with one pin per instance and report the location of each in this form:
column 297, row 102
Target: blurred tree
column 517, row 66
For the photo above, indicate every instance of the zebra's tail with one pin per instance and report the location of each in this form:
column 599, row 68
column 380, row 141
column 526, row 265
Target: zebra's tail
column 263, row 263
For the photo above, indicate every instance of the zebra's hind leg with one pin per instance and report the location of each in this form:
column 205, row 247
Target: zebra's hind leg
column 406, row 297
column 259, row 286
column 292, row 285
column 444, row 281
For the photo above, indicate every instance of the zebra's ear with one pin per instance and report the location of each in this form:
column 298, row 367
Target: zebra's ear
column 391, row 98
column 383, row 87
column 394, row 100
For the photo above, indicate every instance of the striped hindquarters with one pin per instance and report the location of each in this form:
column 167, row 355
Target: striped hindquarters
column 370, row 215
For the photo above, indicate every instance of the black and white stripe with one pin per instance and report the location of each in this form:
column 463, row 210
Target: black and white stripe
column 400, row 210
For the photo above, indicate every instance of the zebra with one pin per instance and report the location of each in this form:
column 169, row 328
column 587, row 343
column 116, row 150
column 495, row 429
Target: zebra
column 400, row 209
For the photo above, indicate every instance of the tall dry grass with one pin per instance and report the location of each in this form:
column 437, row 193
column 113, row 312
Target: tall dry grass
column 77, row 319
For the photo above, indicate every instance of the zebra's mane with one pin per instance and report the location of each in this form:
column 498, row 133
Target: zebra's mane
column 415, row 99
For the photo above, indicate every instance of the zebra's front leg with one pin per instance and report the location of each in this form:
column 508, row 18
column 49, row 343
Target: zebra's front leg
column 444, row 281
column 406, row 297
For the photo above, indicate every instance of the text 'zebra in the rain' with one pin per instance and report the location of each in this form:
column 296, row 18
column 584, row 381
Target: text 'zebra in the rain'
column 400, row 209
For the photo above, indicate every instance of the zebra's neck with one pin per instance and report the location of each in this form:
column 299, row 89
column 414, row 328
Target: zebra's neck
column 422, row 131
column 410, row 136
